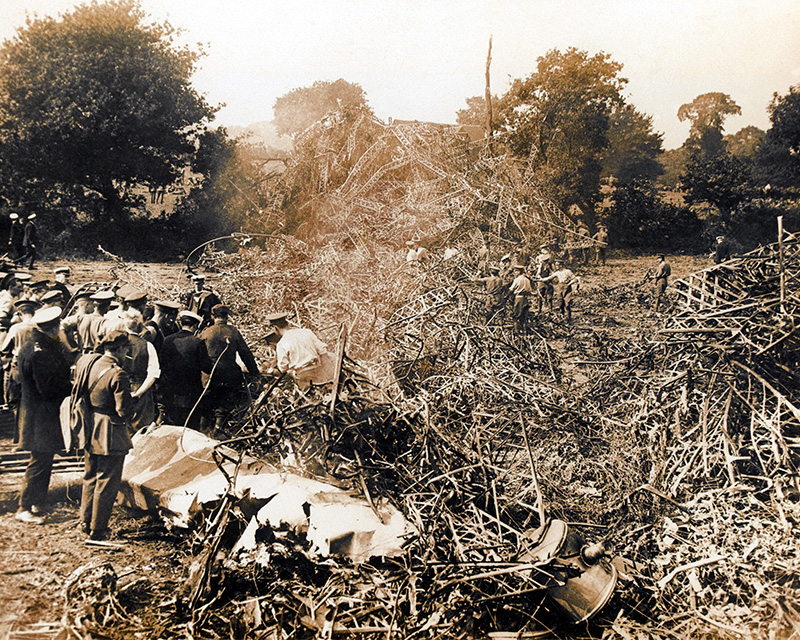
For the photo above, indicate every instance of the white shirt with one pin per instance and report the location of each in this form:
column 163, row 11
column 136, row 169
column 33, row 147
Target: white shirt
column 298, row 348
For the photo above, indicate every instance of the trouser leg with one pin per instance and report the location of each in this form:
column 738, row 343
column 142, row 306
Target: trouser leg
column 100, row 487
column 37, row 480
column 88, row 489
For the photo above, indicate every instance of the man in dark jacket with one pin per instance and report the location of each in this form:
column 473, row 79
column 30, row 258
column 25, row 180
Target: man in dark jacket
column 30, row 241
column 202, row 300
column 162, row 323
column 184, row 359
column 226, row 386
column 44, row 382
column 105, row 447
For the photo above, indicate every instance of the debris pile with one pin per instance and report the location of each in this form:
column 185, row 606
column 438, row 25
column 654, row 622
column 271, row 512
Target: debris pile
column 675, row 450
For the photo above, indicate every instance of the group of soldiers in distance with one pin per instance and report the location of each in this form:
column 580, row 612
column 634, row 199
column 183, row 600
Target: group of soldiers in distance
column 130, row 364
column 521, row 281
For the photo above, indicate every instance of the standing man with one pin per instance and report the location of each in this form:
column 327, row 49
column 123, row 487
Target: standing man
column 663, row 272
column 301, row 354
column 19, row 334
column 108, row 388
column 495, row 292
column 143, row 369
column 91, row 327
column 44, row 381
column 162, row 323
column 61, row 275
column 15, row 237
column 722, row 251
column 30, row 241
column 521, row 288
column 565, row 283
column 202, row 300
column 226, row 387
column 184, row 359
column 544, row 290
column 601, row 239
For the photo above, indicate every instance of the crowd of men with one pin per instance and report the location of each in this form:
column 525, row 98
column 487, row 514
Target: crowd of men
column 514, row 287
column 128, row 363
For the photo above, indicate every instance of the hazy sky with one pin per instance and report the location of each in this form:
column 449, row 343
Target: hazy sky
column 419, row 59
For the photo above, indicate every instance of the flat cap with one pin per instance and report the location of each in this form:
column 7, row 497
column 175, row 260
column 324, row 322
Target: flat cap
column 114, row 338
column 61, row 270
column 47, row 316
column 22, row 276
column 198, row 276
column 220, row 311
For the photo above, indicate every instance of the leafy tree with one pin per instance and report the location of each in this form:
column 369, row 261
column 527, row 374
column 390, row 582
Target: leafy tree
column 674, row 163
column 475, row 113
column 779, row 158
column 634, row 148
column 559, row 117
column 745, row 143
column 300, row 108
column 233, row 192
column 97, row 100
column 640, row 219
column 722, row 180
column 707, row 113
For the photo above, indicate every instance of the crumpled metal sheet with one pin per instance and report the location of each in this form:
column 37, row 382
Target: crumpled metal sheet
column 171, row 469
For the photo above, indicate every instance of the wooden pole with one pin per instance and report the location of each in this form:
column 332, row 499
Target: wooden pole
column 781, row 265
column 488, row 96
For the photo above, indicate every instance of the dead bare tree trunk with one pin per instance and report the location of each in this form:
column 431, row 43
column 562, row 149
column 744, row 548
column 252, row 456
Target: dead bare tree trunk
column 489, row 124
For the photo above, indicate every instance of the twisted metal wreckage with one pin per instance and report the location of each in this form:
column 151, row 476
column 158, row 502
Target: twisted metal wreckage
column 425, row 506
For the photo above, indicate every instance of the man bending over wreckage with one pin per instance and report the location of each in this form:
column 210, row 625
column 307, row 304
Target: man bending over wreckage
column 301, row 354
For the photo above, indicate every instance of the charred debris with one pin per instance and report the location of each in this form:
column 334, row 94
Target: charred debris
column 569, row 482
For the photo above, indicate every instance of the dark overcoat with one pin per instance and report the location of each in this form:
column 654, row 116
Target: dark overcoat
column 44, row 381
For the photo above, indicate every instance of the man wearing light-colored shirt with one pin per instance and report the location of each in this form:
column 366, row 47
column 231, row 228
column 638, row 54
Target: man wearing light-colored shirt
column 301, row 354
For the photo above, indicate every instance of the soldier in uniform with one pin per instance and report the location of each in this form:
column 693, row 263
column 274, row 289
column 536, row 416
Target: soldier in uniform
column 15, row 237
column 543, row 289
column 30, row 242
column 109, row 440
column 18, row 336
column 143, row 369
column 495, row 292
column 44, row 381
column 162, row 324
column 184, row 358
column 61, row 275
column 601, row 238
column 225, row 389
column 202, row 300
column 91, row 327
column 565, row 284
column 662, row 274
column 522, row 290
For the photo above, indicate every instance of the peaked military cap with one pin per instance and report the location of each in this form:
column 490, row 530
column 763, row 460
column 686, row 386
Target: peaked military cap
column 46, row 317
